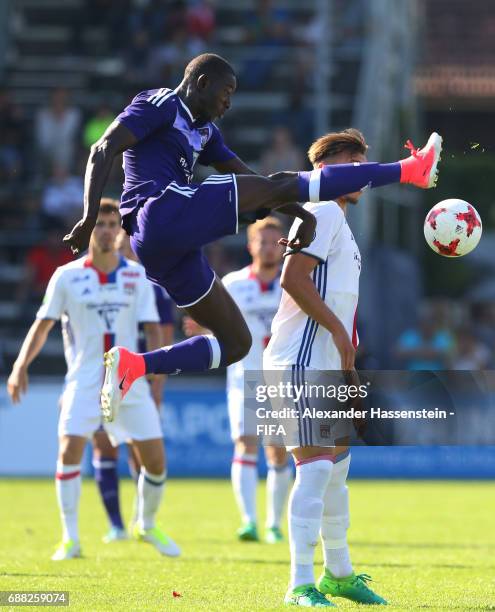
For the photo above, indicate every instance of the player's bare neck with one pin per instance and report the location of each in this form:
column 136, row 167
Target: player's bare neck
column 187, row 96
column 342, row 202
column 104, row 261
column 264, row 273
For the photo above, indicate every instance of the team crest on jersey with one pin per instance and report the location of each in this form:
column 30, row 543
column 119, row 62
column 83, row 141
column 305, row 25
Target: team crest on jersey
column 204, row 133
column 130, row 288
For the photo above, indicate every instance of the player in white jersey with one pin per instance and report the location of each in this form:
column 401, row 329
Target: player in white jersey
column 315, row 329
column 256, row 291
column 105, row 455
column 100, row 299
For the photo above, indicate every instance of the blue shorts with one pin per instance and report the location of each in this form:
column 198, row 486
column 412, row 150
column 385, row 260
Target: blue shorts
column 169, row 230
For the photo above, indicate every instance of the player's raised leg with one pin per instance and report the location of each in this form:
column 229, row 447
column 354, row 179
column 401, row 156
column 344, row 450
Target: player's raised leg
column 105, row 458
column 338, row 578
column 151, row 486
column 332, row 181
column 277, row 488
column 68, row 487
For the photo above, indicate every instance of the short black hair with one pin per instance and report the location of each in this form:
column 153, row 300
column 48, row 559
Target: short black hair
column 210, row 64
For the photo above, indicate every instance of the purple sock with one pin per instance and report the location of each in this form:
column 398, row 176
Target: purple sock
column 108, row 484
column 333, row 181
column 193, row 355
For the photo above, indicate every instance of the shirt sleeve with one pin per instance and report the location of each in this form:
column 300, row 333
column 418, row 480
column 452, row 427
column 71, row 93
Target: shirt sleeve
column 215, row 150
column 149, row 111
column 147, row 311
column 164, row 305
column 53, row 304
column 329, row 220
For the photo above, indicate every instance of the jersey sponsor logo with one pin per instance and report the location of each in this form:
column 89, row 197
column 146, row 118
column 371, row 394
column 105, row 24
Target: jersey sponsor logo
column 130, row 273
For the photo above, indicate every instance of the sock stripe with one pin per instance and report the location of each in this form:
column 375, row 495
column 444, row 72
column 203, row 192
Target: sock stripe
column 245, row 461
column 215, row 352
column 105, row 464
column 314, row 186
column 157, row 481
column 68, row 476
column 317, row 458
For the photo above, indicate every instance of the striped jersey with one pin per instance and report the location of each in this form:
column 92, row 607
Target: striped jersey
column 97, row 311
column 170, row 142
column 296, row 338
column 258, row 303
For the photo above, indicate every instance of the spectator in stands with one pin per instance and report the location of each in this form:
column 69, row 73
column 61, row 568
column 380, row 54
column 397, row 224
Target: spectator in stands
column 470, row 353
column 426, row 347
column 201, row 20
column 169, row 57
column 63, row 195
column 137, row 58
column 282, row 154
column 268, row 30
column 483, row 322
column 41, row 262
column 96, row 125
column 12, row 141
column 56, row 130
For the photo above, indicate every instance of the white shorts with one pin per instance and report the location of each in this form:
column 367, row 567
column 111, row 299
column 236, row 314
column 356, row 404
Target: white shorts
column 137, row 419
column 239, row 425
column 300, row 431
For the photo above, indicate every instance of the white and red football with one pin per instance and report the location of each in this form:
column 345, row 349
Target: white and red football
column 453, row 228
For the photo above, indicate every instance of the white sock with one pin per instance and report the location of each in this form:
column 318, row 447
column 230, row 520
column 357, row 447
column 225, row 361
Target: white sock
column 150, row 492
column 244, row 476
column 335, row 521
column 305, row 511
column 277, row 488
column 68, row 487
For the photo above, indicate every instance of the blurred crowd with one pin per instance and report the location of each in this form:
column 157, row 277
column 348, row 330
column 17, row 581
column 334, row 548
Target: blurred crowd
column 449, row 335
column 43, row 153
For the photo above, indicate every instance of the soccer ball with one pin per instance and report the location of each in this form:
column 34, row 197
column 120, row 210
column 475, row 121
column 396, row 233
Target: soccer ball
column 452, row 228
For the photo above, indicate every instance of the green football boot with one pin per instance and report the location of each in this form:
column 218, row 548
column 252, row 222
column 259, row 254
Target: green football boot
column 273, row 535
column 351, row 587
column 248, row 532
column 308, row 596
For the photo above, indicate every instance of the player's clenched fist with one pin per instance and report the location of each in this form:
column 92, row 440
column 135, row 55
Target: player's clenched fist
column 78, row 239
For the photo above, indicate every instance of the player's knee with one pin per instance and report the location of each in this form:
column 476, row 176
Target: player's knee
column 155, row 465
column 276, row 456
column 238, row 346
column 246, row 445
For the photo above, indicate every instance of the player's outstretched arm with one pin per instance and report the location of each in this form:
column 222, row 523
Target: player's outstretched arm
column 296, row 280
column 33, row 343
column 234, row 165
column 116, row 139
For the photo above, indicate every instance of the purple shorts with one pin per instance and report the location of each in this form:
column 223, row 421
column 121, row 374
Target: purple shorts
column 169, row 230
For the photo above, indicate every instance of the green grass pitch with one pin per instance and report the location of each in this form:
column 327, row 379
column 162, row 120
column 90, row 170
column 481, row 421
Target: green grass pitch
column 427, row 545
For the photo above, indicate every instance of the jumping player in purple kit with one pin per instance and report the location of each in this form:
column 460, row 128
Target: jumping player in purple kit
column 162, row 134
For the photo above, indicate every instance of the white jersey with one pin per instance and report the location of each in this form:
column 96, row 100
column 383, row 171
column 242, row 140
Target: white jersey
column 296, row 338
column 97, row 311
column 258, row 303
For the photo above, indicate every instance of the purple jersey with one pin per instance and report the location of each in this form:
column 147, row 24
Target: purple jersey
column 170, row 143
